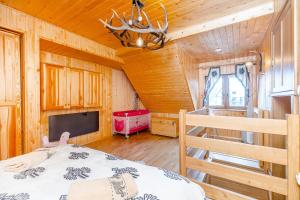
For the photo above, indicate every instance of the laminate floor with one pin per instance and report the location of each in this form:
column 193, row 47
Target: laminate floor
column 154, row 150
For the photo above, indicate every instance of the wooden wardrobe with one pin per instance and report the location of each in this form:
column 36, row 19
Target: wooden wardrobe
column 10, row 95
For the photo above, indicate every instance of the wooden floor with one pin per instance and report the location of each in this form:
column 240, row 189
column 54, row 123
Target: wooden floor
column 154, row 150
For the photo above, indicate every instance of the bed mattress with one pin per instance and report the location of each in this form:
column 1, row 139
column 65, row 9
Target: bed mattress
column 51, row 180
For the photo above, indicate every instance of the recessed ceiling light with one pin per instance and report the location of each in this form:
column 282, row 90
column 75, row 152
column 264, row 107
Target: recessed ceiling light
column 218, row 50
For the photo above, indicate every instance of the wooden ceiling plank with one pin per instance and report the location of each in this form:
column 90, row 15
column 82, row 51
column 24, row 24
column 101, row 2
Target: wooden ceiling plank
column 261, row 10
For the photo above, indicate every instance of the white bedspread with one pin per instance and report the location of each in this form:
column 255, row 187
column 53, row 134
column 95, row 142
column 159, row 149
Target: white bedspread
column 51, row 179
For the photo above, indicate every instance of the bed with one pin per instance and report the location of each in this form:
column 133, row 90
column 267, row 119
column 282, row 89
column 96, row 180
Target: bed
column 52, row 178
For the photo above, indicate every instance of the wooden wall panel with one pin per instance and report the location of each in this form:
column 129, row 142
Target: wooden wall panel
column 158, row 78
column 104, row 112
column 278, row 106
column 123, row 93
column 190, row 68
column 32, row 29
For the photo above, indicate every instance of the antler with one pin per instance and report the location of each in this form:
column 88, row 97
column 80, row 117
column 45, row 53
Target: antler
column 154, row 38
column 126, row 26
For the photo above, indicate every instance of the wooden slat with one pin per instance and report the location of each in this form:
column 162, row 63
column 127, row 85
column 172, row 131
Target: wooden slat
column 293, row 156
column 183, row 151
column 239, row 149
column 266, row 182
column 271, row 126
column 215, row 192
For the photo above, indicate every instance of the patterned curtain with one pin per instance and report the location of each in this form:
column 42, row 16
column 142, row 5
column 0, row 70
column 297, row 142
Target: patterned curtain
column 242, row 74
column 213, row 76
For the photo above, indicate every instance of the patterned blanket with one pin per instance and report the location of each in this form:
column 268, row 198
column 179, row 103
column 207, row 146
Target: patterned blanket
column 51, row 180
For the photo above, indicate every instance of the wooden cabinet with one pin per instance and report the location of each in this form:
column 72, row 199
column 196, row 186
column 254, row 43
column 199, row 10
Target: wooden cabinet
column 10, row 96
column 74, row 88
column 53, row 87
column 68, row 88
column 282, row 53
column 92, row 89
column 164, row 126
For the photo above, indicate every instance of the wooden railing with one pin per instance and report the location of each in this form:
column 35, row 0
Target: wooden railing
column 288, row 157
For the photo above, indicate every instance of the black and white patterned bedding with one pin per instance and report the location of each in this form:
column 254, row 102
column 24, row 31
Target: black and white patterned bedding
column 51, row 179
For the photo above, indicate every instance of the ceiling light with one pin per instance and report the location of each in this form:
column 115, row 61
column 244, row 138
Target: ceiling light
column 249, row 64
column 137, row 26
column 218, row 50
column 139, row 42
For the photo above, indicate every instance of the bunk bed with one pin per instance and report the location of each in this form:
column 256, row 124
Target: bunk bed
column 288, row 157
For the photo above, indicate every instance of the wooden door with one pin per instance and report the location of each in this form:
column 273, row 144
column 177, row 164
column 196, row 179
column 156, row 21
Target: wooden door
column 10, row 96
column 53, row 87
column 75, row 88
column 92, row 89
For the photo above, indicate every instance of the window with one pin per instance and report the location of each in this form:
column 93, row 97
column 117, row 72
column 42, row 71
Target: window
column 216, row 95
column 228, row 92
column 236, row 92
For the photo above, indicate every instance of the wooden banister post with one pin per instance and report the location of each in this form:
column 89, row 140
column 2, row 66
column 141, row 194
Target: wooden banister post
column 293, row 156
column 182, row 142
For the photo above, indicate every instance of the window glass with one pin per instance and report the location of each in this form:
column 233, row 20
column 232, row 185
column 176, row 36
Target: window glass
column 236, row 92
column 216, row 95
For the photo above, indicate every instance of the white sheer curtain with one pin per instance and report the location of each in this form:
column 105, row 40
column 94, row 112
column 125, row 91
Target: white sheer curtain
column 213, row 76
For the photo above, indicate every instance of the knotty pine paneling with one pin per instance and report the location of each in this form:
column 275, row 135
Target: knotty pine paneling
column 123, row 93
column 235, row 40
column 279, row 106
column 32, row 29
column 82, row 17
column 105, row 111
column 159, row 79
column 190, row 68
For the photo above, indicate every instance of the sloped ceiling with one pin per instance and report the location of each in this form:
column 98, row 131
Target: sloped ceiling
column 82, row 16
column 159, row 79
column 235, row 40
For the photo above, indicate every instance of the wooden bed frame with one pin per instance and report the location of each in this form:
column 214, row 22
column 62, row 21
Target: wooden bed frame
column 287, row 157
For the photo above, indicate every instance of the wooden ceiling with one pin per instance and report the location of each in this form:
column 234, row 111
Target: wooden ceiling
column 235, row 40
column 158, row 78
column 81, row 16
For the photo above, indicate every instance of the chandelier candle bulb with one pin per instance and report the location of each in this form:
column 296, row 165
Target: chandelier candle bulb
column 139, row 42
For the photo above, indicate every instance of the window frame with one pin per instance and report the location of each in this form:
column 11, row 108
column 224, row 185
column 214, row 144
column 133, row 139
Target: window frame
column 225, row 94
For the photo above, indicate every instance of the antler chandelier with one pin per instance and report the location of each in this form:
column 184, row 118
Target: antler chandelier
column 136, row 32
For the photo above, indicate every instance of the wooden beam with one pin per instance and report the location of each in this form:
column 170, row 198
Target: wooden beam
column 271, row 126
column 239, row 149
column 254, row 179
column 53, row 47
column 227, row 62
column 260, row 10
